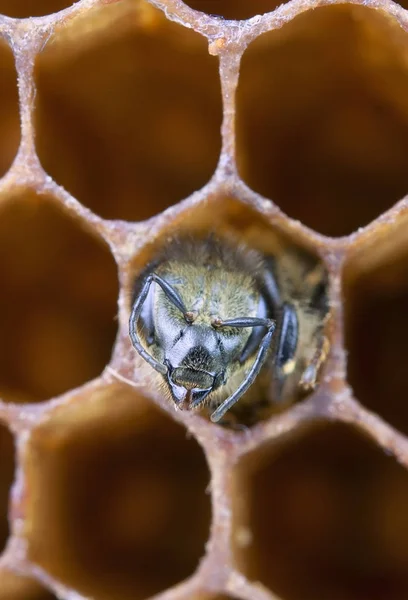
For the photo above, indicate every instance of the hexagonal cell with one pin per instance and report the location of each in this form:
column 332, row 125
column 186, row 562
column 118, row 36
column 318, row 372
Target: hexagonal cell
column 6, row 479
column 9, row 111
column 58, row 300
column 233, row 9
column 116, row 497
column 241, row 267
column 18, row 587
column 322, row 117
column 21, row 9
column 323, row 517
column 376, row 324
column 129, row 110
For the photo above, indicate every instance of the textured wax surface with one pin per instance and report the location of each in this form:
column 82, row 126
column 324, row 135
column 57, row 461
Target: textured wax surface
column 122, row 124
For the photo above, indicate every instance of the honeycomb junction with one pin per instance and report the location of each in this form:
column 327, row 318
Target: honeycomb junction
column 124, row 122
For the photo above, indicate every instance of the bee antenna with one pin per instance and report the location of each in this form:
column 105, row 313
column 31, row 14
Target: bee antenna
column 256, row 367
column 172, row 295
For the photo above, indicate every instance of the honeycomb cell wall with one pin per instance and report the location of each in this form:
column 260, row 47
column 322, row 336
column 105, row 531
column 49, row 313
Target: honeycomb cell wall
column 124, row 122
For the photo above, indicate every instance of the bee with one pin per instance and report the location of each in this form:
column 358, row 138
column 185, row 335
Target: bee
column 210, row 317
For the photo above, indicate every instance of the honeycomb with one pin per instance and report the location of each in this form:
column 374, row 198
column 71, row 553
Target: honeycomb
column 122, row 123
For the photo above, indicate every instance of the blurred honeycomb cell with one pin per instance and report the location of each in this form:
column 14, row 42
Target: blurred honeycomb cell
column 32, row 8
column 18, row 587
column 324, row 518
column 9, row 115
column 322, row 117
column 126, row 514
column 7, row 466
column 128, row 115
column 233, row 9
column 376, row 300
column 58, row 301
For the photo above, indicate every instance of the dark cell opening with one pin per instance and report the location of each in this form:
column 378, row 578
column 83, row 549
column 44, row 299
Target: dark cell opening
column 324, row 518
column 376, row 300
column 128, row 110
column 322, row 117
column 58, row 301
column 122, row 508
column 234, row 9
column 6, row 479
column 9, row 111
column 21, row 9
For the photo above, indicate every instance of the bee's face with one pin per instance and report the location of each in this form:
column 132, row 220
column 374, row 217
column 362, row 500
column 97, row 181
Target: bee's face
column 197, row 354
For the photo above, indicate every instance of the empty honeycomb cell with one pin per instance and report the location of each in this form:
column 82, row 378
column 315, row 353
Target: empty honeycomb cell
column 234, row 9
column 18, row 587
column 6, row 479
column 300, row 279
column 125, row 513
column 322, row 117
column 324, row 518
column 32, row 8
column 58, row 300
column 376, row 325
column 128, row 117
column 9, row 114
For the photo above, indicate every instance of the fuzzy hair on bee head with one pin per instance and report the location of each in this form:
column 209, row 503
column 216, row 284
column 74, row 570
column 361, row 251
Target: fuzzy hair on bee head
column 213, row 250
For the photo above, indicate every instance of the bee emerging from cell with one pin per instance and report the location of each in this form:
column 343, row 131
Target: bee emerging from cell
column 229, row 329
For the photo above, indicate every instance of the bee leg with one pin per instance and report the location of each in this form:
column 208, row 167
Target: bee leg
column 309, row 376
column 137, row 309
column 133, row 320
column 284, row 349
column 256, row 367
